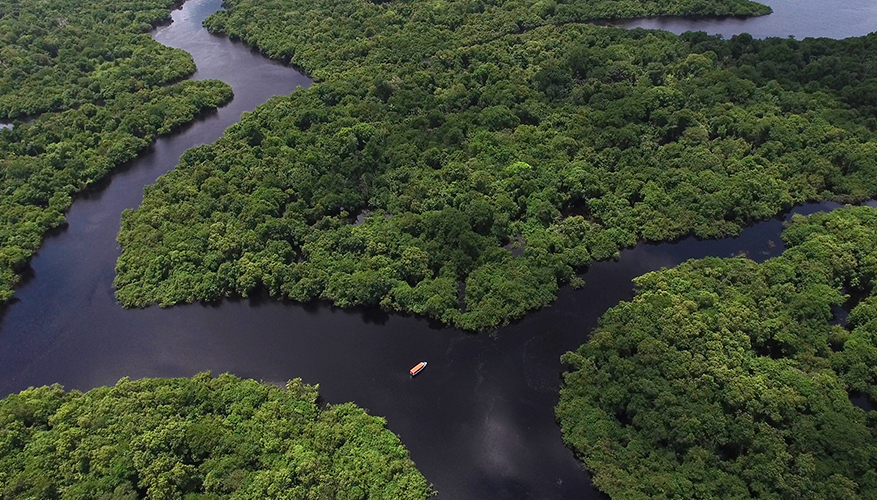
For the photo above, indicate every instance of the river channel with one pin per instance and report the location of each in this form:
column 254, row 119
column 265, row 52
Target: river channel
column 796, row 18
column 478, row 421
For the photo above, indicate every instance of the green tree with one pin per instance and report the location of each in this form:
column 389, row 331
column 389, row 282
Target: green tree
column 732, row 379
column 202, row 438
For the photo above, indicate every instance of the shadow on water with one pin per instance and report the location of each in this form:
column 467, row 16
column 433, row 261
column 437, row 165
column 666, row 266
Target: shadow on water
column 478, row 421
column 863, row 401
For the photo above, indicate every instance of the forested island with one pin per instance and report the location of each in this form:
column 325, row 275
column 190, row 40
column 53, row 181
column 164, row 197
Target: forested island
column 463, row 159
column 724, row 378
column 98, row 91
column 199, row 438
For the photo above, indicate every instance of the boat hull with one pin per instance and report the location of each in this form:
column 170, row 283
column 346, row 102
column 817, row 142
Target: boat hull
column 417, row 368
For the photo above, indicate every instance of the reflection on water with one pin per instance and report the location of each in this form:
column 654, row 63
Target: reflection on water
column 796, row 18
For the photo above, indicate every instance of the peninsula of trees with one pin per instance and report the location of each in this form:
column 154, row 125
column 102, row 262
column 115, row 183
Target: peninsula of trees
column 98, row 90
column 487, row 151
column 198, row 439
column 724, row 378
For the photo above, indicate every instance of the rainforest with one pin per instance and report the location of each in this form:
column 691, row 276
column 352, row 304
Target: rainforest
column 446, row 168
column 732, row 379
column 98, row 90
column 463, row 160
column 199, row 438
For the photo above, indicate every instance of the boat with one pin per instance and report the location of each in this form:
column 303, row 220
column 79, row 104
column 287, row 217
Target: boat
column 417, row 368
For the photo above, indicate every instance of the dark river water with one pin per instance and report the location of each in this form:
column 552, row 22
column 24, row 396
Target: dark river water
column 478, row 421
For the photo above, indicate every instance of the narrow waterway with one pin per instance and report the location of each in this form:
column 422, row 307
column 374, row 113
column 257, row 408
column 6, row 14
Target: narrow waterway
column 478, row 421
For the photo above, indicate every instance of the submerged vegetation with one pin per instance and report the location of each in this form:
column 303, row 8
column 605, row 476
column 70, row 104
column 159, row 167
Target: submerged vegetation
column 200, row 438
column 102, row 90
column 724, row 378
column 441, row 133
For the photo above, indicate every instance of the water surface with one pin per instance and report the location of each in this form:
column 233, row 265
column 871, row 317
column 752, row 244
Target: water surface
column 795, row 18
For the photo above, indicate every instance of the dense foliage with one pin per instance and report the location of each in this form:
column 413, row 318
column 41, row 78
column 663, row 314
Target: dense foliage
column 104, row 90
column 200, row 438
column 443, row 134
column 58, row 54
column 724, row 378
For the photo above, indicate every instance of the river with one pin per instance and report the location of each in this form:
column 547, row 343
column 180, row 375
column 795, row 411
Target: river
column 478, row 421
column 795, row 18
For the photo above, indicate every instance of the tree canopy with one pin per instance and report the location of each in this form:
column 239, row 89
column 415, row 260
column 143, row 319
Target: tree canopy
column 724, row 378
column 199, row 438
column 440, row 135
column 99, row 90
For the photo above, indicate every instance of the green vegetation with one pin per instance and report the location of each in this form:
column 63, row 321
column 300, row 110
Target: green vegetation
column 453, row 129
column 103, row 91
column 724, row 378
column 60, row 54
column 200, row 438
